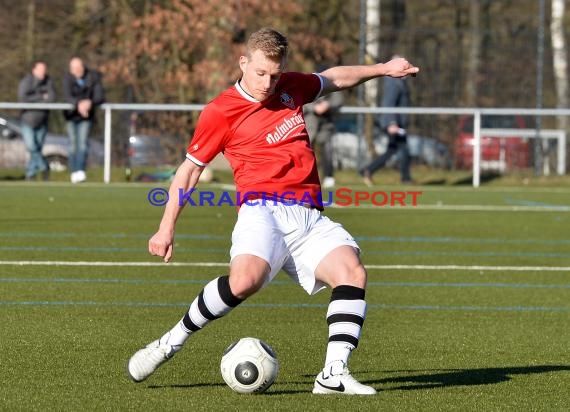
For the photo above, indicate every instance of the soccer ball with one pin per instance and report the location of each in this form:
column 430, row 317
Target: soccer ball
column 249, row 365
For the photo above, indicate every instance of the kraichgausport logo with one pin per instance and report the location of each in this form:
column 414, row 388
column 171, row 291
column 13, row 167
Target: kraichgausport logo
column 340, row 197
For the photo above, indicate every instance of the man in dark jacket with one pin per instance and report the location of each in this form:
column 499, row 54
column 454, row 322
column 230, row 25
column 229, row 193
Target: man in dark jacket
column 82, row 87
column 396, row 94
column 36, row 87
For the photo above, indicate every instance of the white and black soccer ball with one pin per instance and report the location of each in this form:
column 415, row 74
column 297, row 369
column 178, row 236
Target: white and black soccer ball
column 249, row 365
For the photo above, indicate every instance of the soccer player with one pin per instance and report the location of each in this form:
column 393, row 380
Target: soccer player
column 258, row 124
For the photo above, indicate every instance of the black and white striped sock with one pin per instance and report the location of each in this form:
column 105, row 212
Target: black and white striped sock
column 345, row 316
column 213, row 302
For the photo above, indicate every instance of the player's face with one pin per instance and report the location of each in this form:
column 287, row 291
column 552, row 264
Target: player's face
column 260, row 74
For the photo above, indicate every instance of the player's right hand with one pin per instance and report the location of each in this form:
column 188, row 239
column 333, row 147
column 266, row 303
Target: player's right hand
column 161, row 245
column 400, row 67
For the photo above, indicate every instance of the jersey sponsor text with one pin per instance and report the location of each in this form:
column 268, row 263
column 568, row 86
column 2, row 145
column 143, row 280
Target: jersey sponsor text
column 284, row 129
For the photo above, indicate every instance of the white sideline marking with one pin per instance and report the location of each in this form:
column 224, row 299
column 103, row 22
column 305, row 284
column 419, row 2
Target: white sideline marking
column 474, row 267
column 219, row 264
column 95, row 263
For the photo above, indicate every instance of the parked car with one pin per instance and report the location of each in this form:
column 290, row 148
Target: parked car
column 163, row 154
column 144, row 150
column 429, row 151
column 350, row 151
column 497, row 153
column 13, row 152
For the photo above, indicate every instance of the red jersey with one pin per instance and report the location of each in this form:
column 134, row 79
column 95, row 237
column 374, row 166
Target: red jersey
column 266, row 143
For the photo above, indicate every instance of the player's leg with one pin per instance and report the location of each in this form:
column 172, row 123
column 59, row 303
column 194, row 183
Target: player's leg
column 405, row 161
column 216, row 300
column 328, row 255
column 342, row 270
column 255, row 250
column 379, row 162
column 247, row 275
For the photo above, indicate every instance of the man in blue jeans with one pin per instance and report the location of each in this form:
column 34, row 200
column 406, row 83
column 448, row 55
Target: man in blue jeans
column 396, row 94
column 36, row 87
column 82, row 87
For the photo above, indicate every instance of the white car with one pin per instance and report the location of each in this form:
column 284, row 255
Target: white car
column 13, row 152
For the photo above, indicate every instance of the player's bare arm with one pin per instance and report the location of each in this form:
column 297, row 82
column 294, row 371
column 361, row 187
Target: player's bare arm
column 344, row 77
column 186, row 178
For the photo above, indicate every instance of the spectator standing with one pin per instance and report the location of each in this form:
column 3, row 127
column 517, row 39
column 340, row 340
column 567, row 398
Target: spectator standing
column 36, row 87
column 396, row 94
column 319, row 119
column 83, row 88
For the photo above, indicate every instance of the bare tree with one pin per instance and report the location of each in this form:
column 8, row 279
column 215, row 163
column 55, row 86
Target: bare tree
column 559, row 61
column 474, row 62
column 372, row 55
column 30, row 31
column 372, row 46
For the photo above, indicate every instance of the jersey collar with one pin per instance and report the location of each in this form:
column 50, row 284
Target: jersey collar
column 245, row 94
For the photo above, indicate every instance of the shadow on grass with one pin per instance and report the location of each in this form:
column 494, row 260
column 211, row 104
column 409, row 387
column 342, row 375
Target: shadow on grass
column 434, row 182
column 289, row 391
column 463, row 377
column 186, row 386
column 10, row 178
column 416, row 380
column 270, row 391
column 485, row 177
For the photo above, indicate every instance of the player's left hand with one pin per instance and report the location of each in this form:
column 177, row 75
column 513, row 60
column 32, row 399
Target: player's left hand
column 400, row 67
column 162, row 245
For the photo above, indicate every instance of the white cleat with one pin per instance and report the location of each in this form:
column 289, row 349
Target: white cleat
column 336, row 379
column 145, row 361
column 78, row 176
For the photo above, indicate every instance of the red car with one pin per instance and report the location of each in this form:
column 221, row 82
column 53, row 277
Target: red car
column 497, row 153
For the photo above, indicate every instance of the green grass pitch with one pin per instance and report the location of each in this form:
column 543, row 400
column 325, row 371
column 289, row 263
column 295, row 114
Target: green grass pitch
column 469, row 304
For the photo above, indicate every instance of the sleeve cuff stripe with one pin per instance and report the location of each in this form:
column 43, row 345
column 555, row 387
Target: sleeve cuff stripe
column 194, row 160
column 322, row 85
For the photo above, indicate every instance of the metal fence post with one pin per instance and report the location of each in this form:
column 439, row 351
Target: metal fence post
column 476, row 148
column 107, row 147
column 562, row 153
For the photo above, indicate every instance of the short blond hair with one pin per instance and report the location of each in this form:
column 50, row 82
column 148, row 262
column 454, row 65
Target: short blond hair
column 273, row 44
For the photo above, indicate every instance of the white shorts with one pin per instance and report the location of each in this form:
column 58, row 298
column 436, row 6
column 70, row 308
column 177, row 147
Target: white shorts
column 289, row 237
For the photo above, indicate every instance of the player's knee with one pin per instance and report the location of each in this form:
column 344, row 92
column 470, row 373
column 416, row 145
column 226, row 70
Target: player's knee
column 358, row 276
column 243, row 286
column 247, row 275
column 352, row 276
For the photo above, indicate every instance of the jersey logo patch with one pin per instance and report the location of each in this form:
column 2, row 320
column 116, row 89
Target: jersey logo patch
column 287, row 100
